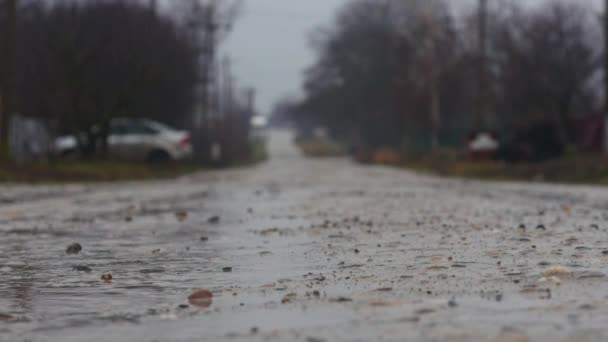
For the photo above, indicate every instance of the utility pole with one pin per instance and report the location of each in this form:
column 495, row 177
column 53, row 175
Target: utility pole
column 8, row 101
column 481, row 119
column 154, row 6
column 204, row 24
column 433, row 73
column 215, row 18
column 606, row 76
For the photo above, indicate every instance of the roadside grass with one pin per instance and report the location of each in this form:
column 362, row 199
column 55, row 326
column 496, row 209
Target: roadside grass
column 572, row 169
column 259, row 150
column 90, row 171
column 320, row 148
column 70, row 171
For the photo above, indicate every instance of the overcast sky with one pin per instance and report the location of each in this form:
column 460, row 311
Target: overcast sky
column 270, row 43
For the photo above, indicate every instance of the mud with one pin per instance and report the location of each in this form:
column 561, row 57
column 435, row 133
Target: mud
column 304, row 250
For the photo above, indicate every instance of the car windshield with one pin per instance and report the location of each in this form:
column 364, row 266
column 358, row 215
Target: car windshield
column 136, row 127
column 157, row 126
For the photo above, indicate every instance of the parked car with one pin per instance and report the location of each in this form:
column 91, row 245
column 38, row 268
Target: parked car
column 538, row 142
column 137, row 140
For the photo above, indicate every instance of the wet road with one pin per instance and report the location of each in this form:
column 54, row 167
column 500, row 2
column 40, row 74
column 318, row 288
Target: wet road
column 304, row 250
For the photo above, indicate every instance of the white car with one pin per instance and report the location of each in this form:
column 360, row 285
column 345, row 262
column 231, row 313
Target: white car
column 137, row 140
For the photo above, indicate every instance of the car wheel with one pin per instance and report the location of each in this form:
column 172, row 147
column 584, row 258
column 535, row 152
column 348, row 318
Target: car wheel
column 158, row 157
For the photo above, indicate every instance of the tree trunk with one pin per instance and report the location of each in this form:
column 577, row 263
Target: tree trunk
column 8, row 99
column 435, row 114
column 102, row 139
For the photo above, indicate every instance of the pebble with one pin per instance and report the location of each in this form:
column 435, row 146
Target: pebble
column 288, row 298
column 107, row 277
column 74, row 248
column 315, row 339
column 589, row 275
column 181, row 215
column 341, row 300
column 81, row 268
column 5, row 317
column 227, row 269
column 214, row 219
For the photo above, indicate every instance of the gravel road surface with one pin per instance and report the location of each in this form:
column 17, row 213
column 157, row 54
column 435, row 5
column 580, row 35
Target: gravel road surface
column 304, row 250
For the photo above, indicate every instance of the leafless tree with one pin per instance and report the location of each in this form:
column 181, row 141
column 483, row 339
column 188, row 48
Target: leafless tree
column 544, row 61
column 8, row 46
column 82, row 64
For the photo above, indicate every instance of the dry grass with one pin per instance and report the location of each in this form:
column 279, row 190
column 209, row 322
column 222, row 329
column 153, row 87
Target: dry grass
column 320, row 148
column 89, row 171
column 576, row 169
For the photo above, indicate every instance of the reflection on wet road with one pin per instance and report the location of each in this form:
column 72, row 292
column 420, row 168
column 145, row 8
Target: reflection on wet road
column 308, row 250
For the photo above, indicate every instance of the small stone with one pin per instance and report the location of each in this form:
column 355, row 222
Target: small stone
column 74, row 248
column 315, row 339
column 81, row 268
column 424, row 311
column 590, row 275
column 341, row 300
column 204, row 238
column 181, row 215
column 541, row 227
column 254, row 330
column 288, row 298
column 227, row 269
column 183, row 306
column 214, row 220
column 357, row 251
column 452, row 303
column 6, row 317
column 107, row 277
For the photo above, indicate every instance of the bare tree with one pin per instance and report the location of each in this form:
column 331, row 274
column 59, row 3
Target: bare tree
column 83, row 64
column 545, row 60
column 208, row 22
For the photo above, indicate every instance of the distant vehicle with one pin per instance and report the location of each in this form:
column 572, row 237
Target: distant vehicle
column 137, row 140
column 259, row 127
column 538, row 142
column 482, row 146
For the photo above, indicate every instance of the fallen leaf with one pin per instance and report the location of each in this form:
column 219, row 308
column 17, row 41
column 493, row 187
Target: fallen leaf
column 556, row 270
column 201, row 298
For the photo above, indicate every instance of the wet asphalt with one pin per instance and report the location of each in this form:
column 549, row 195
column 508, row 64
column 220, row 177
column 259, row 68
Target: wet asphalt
column 304, row 250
